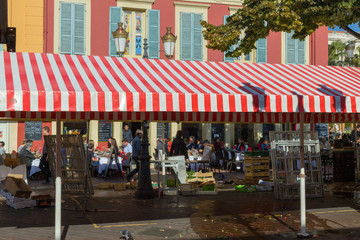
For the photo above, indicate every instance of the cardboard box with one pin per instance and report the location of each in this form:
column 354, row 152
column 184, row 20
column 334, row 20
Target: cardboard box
column 15, row 184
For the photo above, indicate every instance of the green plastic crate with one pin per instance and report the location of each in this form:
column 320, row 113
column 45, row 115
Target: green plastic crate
column 208, row 187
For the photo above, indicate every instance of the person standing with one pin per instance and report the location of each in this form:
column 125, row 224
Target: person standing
column 136, row 152
column 21, row 146
column 178, row 146
column 357, row 130
column 2, row 152
column 127, row 134
column 44, row 162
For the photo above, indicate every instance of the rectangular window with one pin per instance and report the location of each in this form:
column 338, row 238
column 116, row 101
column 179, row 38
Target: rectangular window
column 134, row 25
column 295, row 50
column 261, row 50
column 72, row 28
column 115, row 18
column 191, row 38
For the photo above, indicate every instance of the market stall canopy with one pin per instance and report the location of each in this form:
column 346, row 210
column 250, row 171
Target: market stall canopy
column 37, row 85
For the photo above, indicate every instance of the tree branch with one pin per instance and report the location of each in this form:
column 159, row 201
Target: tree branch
column 352, row 32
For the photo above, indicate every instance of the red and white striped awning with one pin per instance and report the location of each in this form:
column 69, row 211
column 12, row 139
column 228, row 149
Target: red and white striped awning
column 36, row 86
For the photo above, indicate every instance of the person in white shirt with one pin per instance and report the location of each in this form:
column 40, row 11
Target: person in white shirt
column 324, row 145
column 127, row 146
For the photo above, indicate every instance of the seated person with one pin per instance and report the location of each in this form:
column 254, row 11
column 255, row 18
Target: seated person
column 26, row 156
column 192, row 144
column 324, row 145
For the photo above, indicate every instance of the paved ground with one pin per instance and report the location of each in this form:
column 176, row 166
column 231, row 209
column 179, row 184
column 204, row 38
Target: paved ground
column 229, row 215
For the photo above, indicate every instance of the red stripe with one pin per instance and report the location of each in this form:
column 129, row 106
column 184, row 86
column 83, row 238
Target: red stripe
column 169, row 102
column 9, row 83
column 147, row 116
column 332, row 103
column 256, row 103
column 278, row 104
column 24, row 82
column 267, row 103
column 220, row 102
column 207, row 102
column 311, row 104
column 129, row 102
column 206, row 117
column 113, row 74
column 182, row 106
column 142, row 102
column 194, row 102
column 343, row 103
column 244, row 103
column 156, row 102
column 353, row 104
column 232, row 107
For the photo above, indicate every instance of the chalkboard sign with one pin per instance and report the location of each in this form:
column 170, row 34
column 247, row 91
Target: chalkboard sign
column 105, row 131
column 218, row 130
column 167, row 129
column 323, row 130
column 33, row 131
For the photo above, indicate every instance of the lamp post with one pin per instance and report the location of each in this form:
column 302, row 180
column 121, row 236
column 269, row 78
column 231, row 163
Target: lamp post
column 120, row 36
column 350, row 49
column 169, row 40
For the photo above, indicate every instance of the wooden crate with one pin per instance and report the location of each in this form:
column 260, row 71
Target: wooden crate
column 256, row 168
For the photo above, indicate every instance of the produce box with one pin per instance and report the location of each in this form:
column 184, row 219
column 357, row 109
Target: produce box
column 16, row 185
column 208, row 187
column 171, row 182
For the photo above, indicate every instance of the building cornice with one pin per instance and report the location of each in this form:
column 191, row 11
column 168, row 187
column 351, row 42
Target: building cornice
column 224, row 2
column 191, row 4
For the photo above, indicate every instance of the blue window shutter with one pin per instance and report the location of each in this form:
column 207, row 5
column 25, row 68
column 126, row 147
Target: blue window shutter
column 115, row 17
column 185, row 36
column 228, row 59
column 154, row 33
column 290, row 49
column 79, row 29
column 197, row 38
column 300, row 52
column 261, row 53
column 65, row 43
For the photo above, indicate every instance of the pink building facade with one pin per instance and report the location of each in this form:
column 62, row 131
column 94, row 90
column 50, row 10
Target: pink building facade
column 149, row 19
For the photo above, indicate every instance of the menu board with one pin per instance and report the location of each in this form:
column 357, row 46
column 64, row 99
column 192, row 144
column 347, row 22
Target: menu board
column 323, row 130
column 218, row 130
column 105, row 131
column 167, row 129
column 33, row 131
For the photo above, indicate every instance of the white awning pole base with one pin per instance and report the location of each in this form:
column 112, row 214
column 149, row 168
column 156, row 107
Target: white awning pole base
column 58, row 208
column 303, row 233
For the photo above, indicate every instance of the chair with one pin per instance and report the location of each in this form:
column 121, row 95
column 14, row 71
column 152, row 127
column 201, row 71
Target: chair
column 226, row 159
column 231, row 165
column 214, row 162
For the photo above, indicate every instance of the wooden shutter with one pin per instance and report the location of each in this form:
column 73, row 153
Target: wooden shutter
column 78, row 20
column 65, row 43
column 154, row 33
column 197, row 38
column 290, row 49
column 185, row 36
column 228, row 59
column 115, row 17
column 300, row 52
column 261, row 52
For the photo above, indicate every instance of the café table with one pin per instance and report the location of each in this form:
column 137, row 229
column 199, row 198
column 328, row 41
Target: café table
column 103, row 162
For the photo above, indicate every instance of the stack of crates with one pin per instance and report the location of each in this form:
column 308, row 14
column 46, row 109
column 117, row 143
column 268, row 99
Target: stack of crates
column 256, row 168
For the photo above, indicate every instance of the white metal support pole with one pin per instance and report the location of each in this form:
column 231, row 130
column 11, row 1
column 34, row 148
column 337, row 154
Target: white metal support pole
column 163, row 141
column 302, row 181
column 58, row 179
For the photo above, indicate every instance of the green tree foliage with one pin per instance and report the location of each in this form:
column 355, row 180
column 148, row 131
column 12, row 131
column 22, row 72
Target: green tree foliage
column 336, row 52
column 258, row 18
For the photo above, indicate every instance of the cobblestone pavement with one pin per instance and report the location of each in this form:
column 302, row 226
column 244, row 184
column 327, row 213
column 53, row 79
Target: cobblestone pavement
column 229, row 215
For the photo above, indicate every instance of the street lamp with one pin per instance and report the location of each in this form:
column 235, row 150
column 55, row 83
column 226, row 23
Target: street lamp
column 169, row 40
column 350, row 49
column 120, row 36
